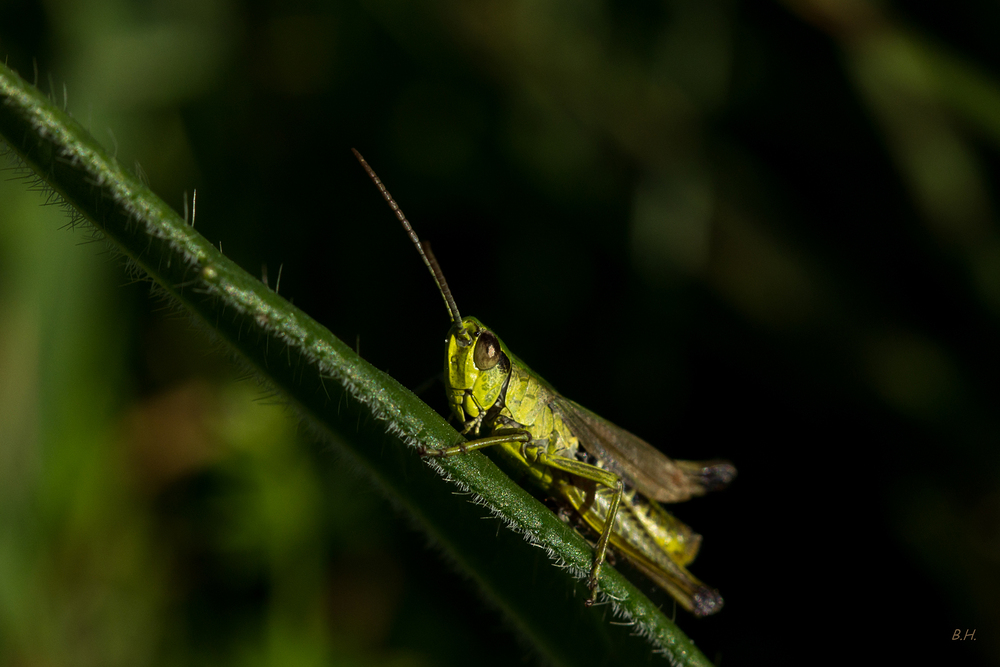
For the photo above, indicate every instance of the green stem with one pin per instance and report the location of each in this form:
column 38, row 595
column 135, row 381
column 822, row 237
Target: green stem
column 375, row 420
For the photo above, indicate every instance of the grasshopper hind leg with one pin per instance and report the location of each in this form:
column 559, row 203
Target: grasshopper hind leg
column 707, row 601
column 573, row 466
column 696, row 597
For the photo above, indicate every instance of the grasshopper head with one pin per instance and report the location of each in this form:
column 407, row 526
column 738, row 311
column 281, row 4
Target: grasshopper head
column 476, row 366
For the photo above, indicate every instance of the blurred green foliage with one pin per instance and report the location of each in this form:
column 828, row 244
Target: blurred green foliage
column 763, row 231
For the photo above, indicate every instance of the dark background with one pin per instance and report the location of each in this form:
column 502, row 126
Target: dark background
column 759, row 231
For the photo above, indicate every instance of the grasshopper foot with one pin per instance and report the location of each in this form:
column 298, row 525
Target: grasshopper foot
column 592, row 585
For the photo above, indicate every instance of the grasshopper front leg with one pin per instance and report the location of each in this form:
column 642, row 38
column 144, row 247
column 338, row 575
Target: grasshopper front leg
column 537, row 454
column 478, row 443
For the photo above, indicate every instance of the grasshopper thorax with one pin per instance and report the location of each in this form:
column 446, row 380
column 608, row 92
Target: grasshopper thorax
column 477, row 365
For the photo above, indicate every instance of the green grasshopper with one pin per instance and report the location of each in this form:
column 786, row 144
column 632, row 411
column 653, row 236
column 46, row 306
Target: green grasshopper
column 612, row 479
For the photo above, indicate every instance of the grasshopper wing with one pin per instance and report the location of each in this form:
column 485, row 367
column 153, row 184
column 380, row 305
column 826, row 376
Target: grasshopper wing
column 639, row 464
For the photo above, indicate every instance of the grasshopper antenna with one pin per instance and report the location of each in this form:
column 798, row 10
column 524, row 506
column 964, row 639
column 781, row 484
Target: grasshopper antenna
column 422, row 247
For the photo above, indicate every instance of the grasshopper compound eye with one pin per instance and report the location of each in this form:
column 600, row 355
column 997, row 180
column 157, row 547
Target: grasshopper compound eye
column 487, row 352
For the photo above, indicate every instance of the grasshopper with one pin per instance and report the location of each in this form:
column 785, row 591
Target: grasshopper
column 612, row 479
